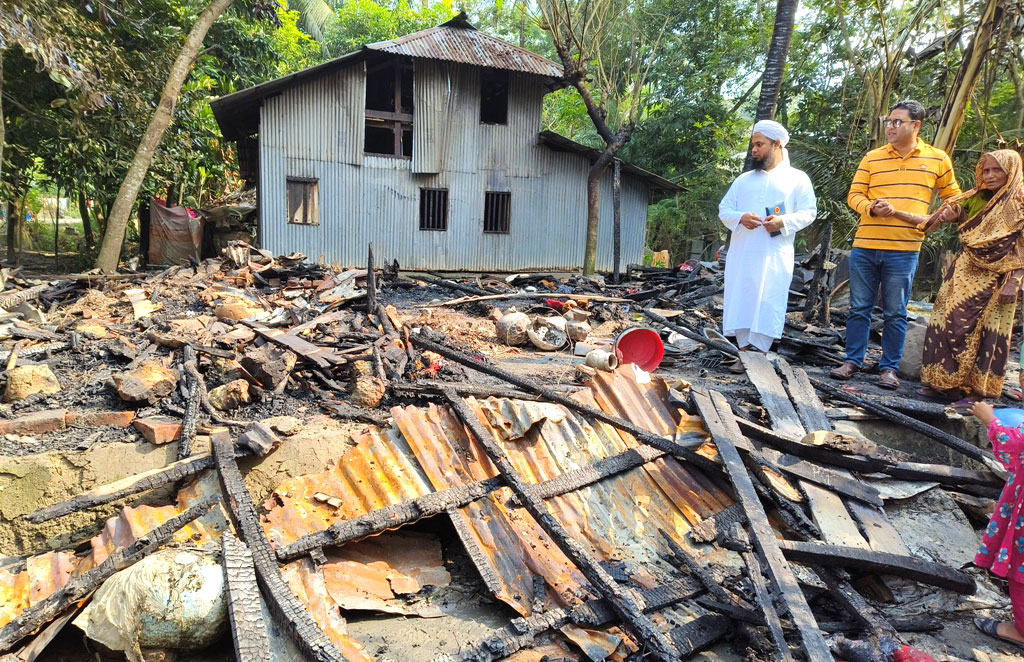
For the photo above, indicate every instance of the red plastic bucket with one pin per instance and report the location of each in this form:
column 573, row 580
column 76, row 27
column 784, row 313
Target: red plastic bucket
column 640, row 346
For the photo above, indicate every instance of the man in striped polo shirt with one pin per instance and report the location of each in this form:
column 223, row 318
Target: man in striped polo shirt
column 891, row 191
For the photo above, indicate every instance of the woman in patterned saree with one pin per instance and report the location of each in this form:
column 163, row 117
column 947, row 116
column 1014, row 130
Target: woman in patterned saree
column 968, row 338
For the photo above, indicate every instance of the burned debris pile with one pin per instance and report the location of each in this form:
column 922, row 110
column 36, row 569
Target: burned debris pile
column 470, row 463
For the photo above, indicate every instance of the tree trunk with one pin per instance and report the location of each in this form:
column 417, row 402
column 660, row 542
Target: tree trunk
column 110, row 251
column 594, row 199
column 775, row 64
column 617, row 221
column 955, row 108
column 83, row 210
column 3, row 126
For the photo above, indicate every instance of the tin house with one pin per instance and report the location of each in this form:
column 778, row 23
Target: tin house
column 429, row 146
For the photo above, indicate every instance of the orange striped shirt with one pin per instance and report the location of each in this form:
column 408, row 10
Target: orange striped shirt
column 905, row 181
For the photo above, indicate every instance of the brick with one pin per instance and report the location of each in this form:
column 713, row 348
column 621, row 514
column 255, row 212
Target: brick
column 158, row 430
column 37, row 422
column 119, row 419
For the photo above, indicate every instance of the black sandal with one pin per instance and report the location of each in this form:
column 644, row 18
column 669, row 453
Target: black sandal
column 990, row 626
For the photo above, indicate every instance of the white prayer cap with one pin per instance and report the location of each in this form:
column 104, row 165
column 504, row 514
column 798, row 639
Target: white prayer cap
column 772, row 131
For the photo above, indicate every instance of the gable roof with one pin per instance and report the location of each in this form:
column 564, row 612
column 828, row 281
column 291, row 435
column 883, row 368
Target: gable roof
column 453, row 41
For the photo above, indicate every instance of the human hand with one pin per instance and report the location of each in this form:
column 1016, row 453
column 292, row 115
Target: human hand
column 751, row 221
column 773, row 224
column 882, row 208
column 983, row 411
column 934, row 221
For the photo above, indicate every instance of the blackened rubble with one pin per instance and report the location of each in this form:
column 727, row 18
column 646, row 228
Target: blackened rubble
column 397, row 456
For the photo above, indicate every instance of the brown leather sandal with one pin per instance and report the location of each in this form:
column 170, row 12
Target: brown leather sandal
column 888, row 380
column 844, row 371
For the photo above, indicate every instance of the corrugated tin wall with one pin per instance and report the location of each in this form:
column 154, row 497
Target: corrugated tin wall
column 312, row 131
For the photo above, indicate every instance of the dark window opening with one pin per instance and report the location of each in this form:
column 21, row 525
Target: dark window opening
column 494, row 97
column 389, row 107
column 497, row 212
column 433, row 209
column 303, row 200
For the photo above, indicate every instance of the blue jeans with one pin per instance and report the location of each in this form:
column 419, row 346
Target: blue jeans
column 894, row 270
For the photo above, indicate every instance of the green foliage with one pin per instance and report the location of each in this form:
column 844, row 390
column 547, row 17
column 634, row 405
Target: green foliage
column 365, row 21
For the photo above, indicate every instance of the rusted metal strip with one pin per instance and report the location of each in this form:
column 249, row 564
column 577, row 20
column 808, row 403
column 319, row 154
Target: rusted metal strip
column 625, row 601
column 436, row 503
column 126, row 487
column 930, row 431
column 290, row 612
column 911, row 567
column 521, row 632
column 37, row 615
column 808, row 407
column 678, row 450
column 720, row 422
column 248, row 630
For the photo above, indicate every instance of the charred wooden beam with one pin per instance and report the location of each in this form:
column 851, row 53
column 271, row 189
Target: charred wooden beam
column 371, row 280
column 930, row 431
column 720, row 422
column 922, row 623
column 698, row 634
column 321, row 357
column 433, row 390
column 808, row 407
column 290, row 612
column 192, row 404
column 248, row 630
column 12, row 299
column 641, row 435
column 436, row 503
column 911, row 567
column 35, row 350
column 125, row 487
column 862, row 611
column 773, row 394
column 443, row 281
column 701, row 573
column 626, row 602
column 939, row 473
column 521, row 632
column 839, row 483
column 40, row 613
column 764, row 598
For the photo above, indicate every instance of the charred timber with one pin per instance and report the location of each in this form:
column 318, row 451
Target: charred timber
column 910, row 567
column 691, row 334
column 286, row 608
column 192, row 405
column 930, row 431
column 40, row 613
column 248, row 630
column 624, row 601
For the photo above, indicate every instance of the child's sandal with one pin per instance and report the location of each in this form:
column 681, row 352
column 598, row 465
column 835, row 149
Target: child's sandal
column 990, row 626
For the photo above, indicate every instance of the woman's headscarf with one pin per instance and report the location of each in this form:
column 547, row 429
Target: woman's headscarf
column 993, row 237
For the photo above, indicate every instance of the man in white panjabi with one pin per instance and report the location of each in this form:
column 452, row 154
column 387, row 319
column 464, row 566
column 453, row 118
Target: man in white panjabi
column 763, row 209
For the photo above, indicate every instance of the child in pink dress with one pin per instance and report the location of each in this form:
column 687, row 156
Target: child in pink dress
column 1002, row 545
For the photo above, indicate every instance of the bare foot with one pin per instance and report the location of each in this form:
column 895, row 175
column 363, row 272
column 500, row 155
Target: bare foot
column 1010, row 631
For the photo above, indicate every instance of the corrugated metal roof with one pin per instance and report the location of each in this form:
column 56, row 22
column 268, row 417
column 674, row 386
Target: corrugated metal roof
column 458, row 41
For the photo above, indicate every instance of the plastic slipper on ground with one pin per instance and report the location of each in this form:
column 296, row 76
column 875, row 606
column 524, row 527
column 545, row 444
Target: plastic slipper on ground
column 990, row 626
column 929, row 393
column 1014, row 394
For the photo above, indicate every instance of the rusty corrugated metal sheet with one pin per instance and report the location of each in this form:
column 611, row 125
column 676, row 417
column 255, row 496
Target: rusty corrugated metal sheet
column 466, row 45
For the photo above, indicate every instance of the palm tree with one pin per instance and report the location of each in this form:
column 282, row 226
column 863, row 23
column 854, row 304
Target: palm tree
column 315, row 16
column 775, row 64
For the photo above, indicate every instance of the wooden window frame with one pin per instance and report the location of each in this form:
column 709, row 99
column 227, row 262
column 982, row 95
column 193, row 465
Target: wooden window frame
column 395, row 120
column 311, row 187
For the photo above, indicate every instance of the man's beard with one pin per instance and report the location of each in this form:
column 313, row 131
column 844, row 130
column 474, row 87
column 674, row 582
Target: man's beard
column 764, row 162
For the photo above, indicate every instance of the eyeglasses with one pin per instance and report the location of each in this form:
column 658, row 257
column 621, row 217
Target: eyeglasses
column 894, row 123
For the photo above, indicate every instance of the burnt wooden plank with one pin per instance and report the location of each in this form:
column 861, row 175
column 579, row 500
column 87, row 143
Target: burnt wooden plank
column 289, row 612
column 840, row 482
column 881, row 534
column 911, row 567
column 764, row 599
column 623, row 600
column 320, row 356
column 808, row 407
column 720, row 422
column 248, row 630
column 833, row 519
column 773, row 394
column 854, row 603
column 699, row 633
